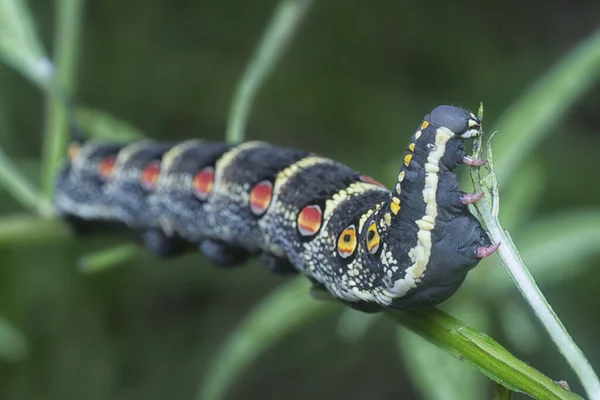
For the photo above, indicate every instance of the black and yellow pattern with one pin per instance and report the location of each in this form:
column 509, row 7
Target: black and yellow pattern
column 370, row 247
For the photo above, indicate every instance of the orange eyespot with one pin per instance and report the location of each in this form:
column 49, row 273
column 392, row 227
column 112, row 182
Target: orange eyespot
column 347, row 242
column 260, row 197
column 106, row 167
column 373, row 238
column 368, row 179
column 149, row 175
column 309, row 220
column 203, row 182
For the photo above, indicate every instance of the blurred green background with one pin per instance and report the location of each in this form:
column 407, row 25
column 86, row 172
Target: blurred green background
column 354, row 84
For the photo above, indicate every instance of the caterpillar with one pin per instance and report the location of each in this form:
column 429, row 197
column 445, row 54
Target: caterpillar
column 370, row 247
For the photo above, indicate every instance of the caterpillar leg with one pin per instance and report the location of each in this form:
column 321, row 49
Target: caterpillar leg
column 163, row 245
column 276, row 264
column 223, row 254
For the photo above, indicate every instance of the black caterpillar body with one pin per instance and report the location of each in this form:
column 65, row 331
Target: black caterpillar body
column 368, row 246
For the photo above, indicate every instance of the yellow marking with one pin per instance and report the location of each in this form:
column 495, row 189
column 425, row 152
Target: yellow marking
column 401, row 176
column 418, row 134
column 407, row 159
column 424, row 125
column 73, row 151
column 228, row 157
column 396, row 200
column 131, row 150
column 473, row 123
column 171, row 156
column 388, row 218
column 126, row 154
column 373, row 238
column 394, row 208
column 347, row 193
column 398, row 188
column 363, row 219
column 347, row 242
column 411, row 147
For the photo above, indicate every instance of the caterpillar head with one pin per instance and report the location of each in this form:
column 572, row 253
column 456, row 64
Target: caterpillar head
column 463, row 123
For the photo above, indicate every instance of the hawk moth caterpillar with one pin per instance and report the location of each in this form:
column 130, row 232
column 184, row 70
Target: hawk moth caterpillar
column 370, row 247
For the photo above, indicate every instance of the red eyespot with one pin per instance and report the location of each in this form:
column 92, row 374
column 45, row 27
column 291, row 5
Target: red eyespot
column 309, row 220
column 106, row 166
column 260, row 197
column 203, row 182
column 149, row 175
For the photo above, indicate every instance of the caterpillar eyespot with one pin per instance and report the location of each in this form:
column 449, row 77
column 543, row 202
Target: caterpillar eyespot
column 372, row 248
column 373, row 238
column 203, row 182
column 106, row 166
column 347, row 242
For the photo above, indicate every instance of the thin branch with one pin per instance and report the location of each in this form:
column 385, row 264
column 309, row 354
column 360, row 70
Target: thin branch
column 525, row 282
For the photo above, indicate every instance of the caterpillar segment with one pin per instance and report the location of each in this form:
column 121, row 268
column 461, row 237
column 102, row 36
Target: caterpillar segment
column 370, row 247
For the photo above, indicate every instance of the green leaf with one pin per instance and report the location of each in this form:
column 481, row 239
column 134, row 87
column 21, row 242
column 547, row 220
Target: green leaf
column 56, row 129
column 108, row 258
column 21, row 188
column 13, row 345
column 284, row 311
column 101, row 125
column 531, row 116
column 28, row 229
column 554, row 248
column 437, row 375
column 481, row 352
column 19, row 45
column 276, row 39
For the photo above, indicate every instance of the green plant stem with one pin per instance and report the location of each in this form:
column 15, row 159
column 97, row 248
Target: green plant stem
column 68, row 21
column 281, row 29
column 21, row 188
column 525, row 282
column 108, row 258
column 501, row 393
column 27, row 229
column 481, row 352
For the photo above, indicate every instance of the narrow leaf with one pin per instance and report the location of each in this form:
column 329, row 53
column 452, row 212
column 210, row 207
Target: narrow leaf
column 106, row 259
column 101, row 125
column 276, row 39
column 284, row 311
column 21, row 188
column 554, row 248
column 531, row 116
column 19, row 45
column 28, row 229
column 56, row 132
